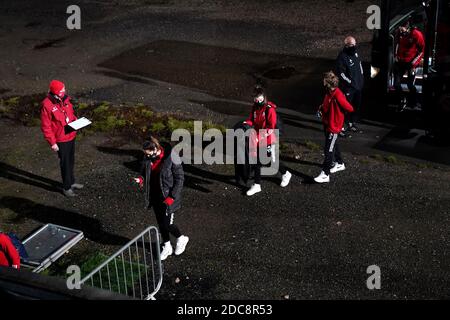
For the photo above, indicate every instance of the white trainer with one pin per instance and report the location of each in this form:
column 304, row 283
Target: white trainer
column 322, row 178
column 337, row 167
column 285, row 178
column 181, row 245
column 166, row 251
column 254, row 190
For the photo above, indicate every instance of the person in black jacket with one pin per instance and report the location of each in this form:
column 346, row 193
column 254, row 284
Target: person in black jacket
column 162, row 176
column 351, row 80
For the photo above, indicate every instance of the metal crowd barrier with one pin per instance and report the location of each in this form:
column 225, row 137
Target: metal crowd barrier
column 135, row 270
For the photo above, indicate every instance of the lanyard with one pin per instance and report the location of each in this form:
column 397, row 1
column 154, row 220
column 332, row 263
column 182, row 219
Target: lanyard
column 63, row 111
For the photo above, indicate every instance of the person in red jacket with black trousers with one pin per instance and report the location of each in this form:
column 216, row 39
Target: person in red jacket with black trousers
column 9, row 256
column 56, row 113
column 264, row 117
column 409, row 53
column 332, row 112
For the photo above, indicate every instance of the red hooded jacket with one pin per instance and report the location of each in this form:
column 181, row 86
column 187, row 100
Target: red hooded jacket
column 9, row 255
column 333, row 108
column 264, row 117
column 410, row 48
column 55, row 115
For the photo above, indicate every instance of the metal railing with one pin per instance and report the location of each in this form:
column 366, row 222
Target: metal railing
column 135, row 270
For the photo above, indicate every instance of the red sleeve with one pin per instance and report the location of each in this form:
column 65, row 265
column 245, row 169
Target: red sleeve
column 343, row 102
column 271, row 122
column 10, row 250
column 46, row 126
column 420, row 44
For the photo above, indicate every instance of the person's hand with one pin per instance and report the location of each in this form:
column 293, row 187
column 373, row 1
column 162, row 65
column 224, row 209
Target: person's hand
column 140, row 181
column 269, row 151
column 55, row 147
column 169, row 201
column 15, row 266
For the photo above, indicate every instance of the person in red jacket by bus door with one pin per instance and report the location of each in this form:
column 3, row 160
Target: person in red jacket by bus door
column 409, row 53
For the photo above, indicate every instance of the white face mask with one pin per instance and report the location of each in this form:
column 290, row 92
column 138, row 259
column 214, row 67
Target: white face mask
column 259, row 99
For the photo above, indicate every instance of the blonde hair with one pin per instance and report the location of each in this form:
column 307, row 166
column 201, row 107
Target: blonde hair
column 331, row 80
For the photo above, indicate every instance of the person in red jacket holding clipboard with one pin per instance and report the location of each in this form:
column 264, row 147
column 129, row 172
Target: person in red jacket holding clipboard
column 56, row 113
column 332, row 113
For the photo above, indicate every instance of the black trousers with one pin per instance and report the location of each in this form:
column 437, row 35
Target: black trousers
column 66, row 156
column 282, row 169
column 165, row 222
column 331, row 151
column 355, row 98
column 400, row 68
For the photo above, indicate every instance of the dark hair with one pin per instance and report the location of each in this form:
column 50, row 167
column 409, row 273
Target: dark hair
column 331, row 80
column 151, row 144
column 259, row 90
column 406, row 24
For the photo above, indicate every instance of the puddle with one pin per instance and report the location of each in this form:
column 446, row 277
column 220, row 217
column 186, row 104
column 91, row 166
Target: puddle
column 292, row 82
column 280, row 73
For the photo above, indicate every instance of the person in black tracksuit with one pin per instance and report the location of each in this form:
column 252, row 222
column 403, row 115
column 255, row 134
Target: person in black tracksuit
column 351, row 81
column 162, row 177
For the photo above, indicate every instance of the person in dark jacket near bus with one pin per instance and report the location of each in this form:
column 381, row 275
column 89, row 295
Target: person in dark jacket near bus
column 351, row 81
column 332, row 113
column 162, row 178
column 408, row 56
column 263, row 119
column 9, row 256
column 56, row 113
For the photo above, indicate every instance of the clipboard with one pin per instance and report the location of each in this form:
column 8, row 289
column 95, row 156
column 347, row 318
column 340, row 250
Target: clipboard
column 80, row 123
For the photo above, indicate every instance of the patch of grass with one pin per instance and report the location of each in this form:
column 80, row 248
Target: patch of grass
column 388, row 159
column 312, row 146
column 284, row 147
column 393, row 159
column 122, row 272
column 129, row 121
column 157, row 127
column 82, row 106
column 4, row 109
column 102, row 108
column 12, row 102
column 364, row 161
column 377, row 157
column 173, row 124
column 209, row 125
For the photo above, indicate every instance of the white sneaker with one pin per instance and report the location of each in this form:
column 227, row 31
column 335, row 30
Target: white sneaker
column 337, row 167
column 181, row 245
column 322, row 178
column 254, row 189
column 285, row 178
column 167, row 251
